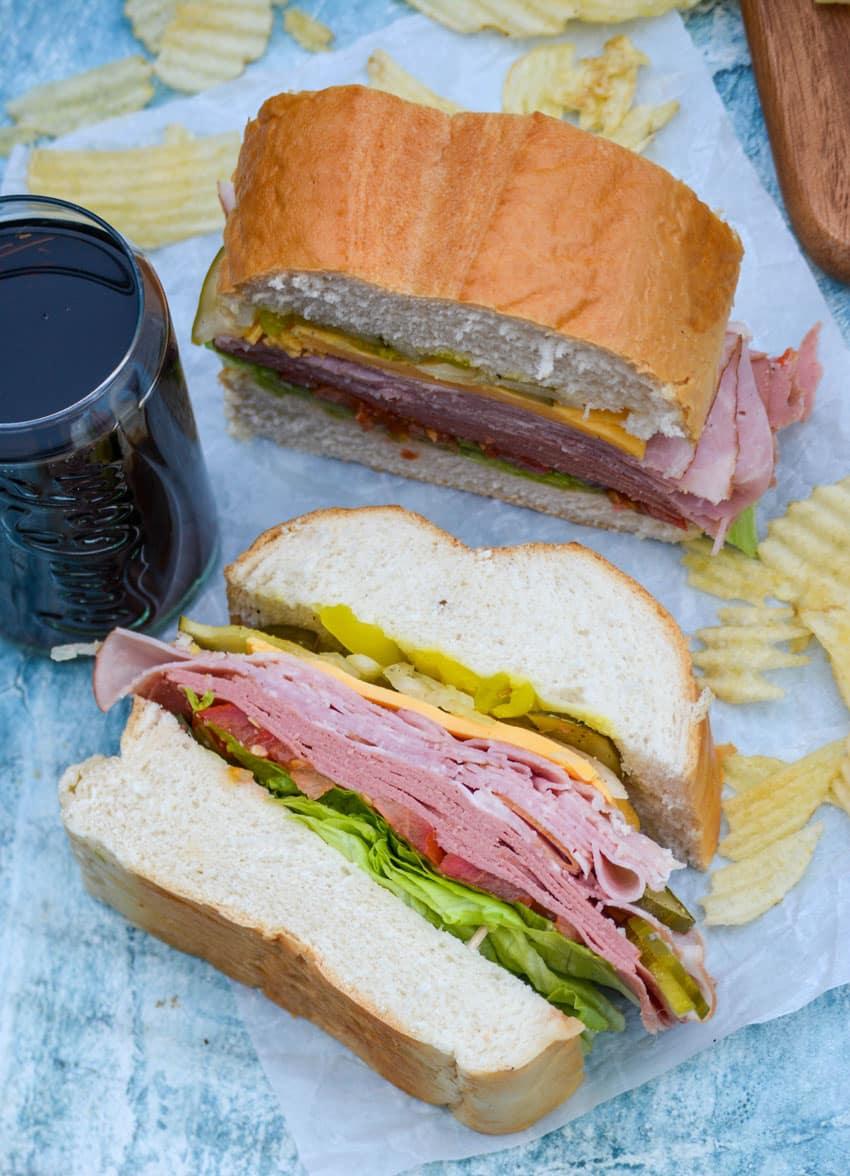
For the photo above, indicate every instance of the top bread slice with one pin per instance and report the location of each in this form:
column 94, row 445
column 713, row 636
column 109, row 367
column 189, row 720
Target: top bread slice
column 195, row 852
column 589, row 639
column 518, row 242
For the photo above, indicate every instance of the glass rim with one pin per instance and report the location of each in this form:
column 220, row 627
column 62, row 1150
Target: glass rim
column 8, row 428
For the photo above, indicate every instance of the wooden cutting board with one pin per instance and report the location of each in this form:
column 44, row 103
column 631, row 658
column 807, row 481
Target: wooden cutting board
column 801, row 60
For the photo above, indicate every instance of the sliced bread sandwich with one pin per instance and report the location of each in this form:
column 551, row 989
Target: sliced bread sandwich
column 572, row 636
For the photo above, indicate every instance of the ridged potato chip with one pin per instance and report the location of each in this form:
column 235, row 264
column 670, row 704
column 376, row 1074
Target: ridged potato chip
column 775, row 622
column 149, row 20
column 839, row 791
column 781, row 804
column 742, row 772
column 809, row 549
column 538, row 18
column 154, row 195
column 723, row 751
column 832, row 629
column 740, row 688
column 109, row 90
column 205, row 44
column 729, row 574
column 614, row 11
column 516, row 18
column 604, row 87
column 600, row 90
column 741, row 892
column 386, row 74
column 537, row 80
column 11, row 136
column 742, row 647
column 309, row 33
column 641, row 124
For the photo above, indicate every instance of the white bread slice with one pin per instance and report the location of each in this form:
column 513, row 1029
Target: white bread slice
column 590, row 640
column 303, row 423
column 198, row 854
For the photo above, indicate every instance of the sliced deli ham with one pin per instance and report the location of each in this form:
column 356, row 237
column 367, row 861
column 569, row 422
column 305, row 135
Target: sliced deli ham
column 463, row 871
column 670, row 456
column 712, row 469
column 787, row 383
column 125, row 657
column 707, row 484
column 807, row 374
column 756, row 447
column 482, row 811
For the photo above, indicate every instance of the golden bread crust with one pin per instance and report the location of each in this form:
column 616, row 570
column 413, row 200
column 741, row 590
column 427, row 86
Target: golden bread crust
column 524, row 215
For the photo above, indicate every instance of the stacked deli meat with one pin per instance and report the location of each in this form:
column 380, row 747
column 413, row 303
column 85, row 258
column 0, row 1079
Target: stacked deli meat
column 707, row 484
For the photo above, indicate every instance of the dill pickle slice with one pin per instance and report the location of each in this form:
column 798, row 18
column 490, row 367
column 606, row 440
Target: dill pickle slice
column 231, row 638
column 678, row 987
column 210, row 319
column 665, row 907
column 581, row 737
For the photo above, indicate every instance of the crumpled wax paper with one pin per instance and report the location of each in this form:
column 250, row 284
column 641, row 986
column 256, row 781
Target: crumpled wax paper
column 342, row 1116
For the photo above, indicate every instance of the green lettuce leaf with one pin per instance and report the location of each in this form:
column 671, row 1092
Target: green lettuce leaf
column 743, row 533
column 274, row 383
column 566, row 973
column 552, row 478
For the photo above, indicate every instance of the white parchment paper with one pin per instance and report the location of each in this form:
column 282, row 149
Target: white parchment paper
column 342, row 1116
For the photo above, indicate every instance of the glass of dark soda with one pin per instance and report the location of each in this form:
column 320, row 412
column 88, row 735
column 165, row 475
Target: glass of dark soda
column 106, row 512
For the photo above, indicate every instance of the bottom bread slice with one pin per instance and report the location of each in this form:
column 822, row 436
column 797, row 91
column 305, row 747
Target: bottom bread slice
column 197, row 853
column 300, row 422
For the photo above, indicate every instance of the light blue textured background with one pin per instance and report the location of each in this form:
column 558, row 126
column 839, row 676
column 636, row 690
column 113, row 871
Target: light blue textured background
column 119, row 1055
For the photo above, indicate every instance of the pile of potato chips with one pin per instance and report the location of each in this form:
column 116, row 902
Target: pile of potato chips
column 201, row 43
column 196, row 45
column 745, row 644
column 538, row 18
column 804, row 563
column 600, row 90
column 155, row 195
column 110, row 90
column 770, row 842
column 206, row 43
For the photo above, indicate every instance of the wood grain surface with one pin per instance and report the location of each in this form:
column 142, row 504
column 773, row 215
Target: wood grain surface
column 801, row 59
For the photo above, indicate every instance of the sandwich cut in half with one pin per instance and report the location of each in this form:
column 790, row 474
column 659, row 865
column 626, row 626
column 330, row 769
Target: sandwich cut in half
column 422, row 856
column 499, row 303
